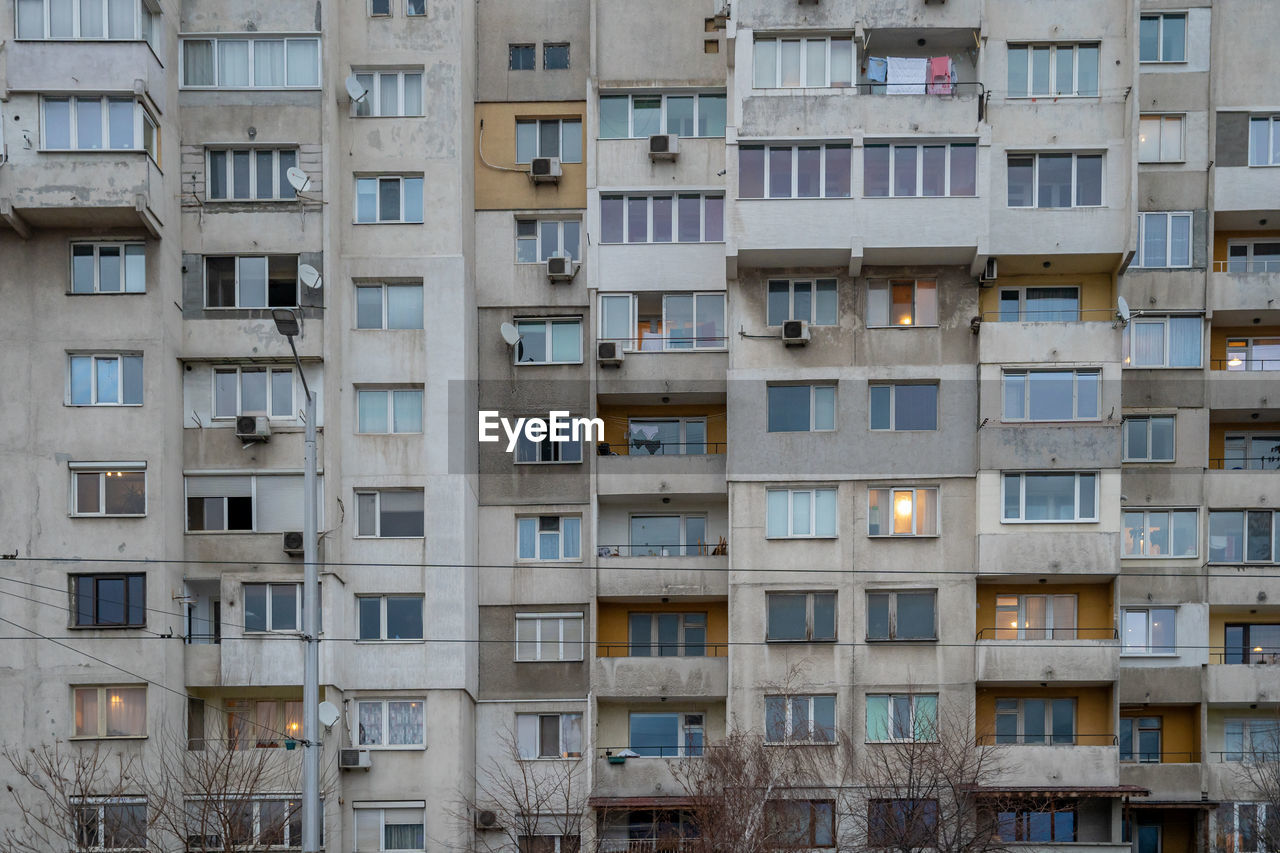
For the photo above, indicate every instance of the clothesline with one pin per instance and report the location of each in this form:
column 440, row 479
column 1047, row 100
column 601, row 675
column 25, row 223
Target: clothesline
column 912, row 75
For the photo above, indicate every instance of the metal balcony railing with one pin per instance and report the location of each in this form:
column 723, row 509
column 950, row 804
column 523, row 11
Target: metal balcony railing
column 1242, row 265
column 619, row 754
column 1244, row 365
column 1048, row 314
column 1159, row 757
column 697, row 549
column 644, row 447
column 1264, row 462
column 1040, row 634
column 662, row 650
column 1246, row 756
column 1256, row 656
column 658, row 342
column 646, row 845
column 1050, row 739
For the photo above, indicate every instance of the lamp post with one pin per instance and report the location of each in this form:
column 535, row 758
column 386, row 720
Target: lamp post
column 289, row 325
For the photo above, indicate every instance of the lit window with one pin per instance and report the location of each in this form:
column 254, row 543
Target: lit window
column 102, row 712
column 1161, row 532
column 392, row 723
column 902, row 302
column 108, row 268
column 914, row 512
column 1034, row 617
column 1050, row 497
column 119, row 490
column 262, row 724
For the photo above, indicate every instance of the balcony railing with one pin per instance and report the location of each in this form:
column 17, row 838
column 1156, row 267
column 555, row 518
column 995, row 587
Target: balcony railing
column 697, row 549
column 1049, row 314
column 1244, row 365
column 1267, row 265
column 661, row 651
column 619, row 754
column 645, row 447
column 1049, row 739
column 646, row 845
column 1257, row 656
column 1043, row 634
column 1246, row 756
column 1159, row 757
column 1264, row 462
column 658, row 342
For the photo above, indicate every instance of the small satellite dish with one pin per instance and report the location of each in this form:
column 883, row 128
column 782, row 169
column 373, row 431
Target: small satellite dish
column 1122, row 308
column 298, row 179
column 510, row 334
column 309, row 275
column 328, row 714
column 355, row 90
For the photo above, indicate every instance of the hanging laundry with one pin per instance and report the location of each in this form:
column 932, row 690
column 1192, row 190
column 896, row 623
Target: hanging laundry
column 941, row 75
column 877, row 67
column 907, row 75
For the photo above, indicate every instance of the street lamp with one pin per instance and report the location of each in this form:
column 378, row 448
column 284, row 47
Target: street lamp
column 289, row 324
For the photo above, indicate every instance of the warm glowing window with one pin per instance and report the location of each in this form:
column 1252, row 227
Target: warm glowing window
column 902, row 302
column 902, row 512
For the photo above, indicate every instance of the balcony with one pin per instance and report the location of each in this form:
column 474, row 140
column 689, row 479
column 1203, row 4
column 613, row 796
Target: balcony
column 1095, row 339
column 695, row 374
column 85, row 64
column 621, row 470
column 239, row 332
column 930, row 18
column 1239, row 291
column 1166, row 781
column 1093, row 657
column 616, row 776
column 1234, row 395
column 1243, row 683
column 1097, row 237
column 646, row 576
column 1241, row 194
column 1235, row 488
column 893, row 234
column 651, row 677
column 1049, row 553
column 793, row 232
column 82, row 189
column 1094, row 760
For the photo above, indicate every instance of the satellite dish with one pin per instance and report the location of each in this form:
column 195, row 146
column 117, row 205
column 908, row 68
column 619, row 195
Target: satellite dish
column 355, row 90
column 298, row 179
column 510, row 334
column 328, row 714
column 310, row 275
column 1122, row 308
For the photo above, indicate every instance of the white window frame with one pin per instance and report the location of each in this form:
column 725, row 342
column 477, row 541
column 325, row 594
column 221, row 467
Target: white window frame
column 914, row 492
column 1251, row 728
column 1022, row 497
column 1186, row 28
column 919, row 147
column 1272, row 123
column 1146, row 532
column 912, row 712
column 825, row 147
column 663, row 126
column 1024, row 374
column 405, row 184
column 886, row 285
column 1249, row 437
column 389, row 391
column 100, row 731
column 537, row 145
column 297, row 608
column 1024, row 307
column 382, row 288
column 371, row 79
column 633, row 342
column 537, row 733
column 1259, row 834
column 144, row 22
column 1249, row 262
column 382, row 616
column 236, row 259
column 94, row 358
column 1244, row 537
column 281, row 189
column 1145, row 650
column 562, row 250
column 893, row 405
column 1166, row 262
column 142, row 119
column 563, row 650
column 1050, row 629
column 811, row 533
column 1147, row 419
column 627, row 198
column 1164, row 321
column 253, row 504
column 102, row 470
column 421, row 743
column 269, row 370
column 815, row 284
column 825, row 82
column 381, row 808
column 251, row 39
column 1075, row 180
column 377, row 518
column 1162, row 123
column 789, row 723
column 559, row 556
column 100, row 805
column 813, row 406
column 127, row 249
column 518, row 350
column 1054, row 49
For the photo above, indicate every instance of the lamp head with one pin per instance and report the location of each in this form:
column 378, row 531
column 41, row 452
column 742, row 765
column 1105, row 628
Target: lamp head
column 287, row 322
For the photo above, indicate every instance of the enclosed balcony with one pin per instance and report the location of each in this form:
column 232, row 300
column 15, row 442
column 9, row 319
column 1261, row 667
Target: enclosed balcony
column 639, row 744
column 1058, row 633
column 82, row 189
column 1055, row 736
column 648, row 648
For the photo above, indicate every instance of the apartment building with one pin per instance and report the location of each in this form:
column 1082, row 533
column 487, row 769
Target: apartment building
column 932, row 342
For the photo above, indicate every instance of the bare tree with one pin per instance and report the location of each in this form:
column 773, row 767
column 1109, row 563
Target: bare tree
column 1254, row 822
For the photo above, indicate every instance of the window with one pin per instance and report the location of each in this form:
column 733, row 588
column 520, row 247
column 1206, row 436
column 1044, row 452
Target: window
column 549, row 341
column 379, row 8
column 522, row 57
column 98, row 123
column 1140, row 739
column 110, row 600
column 389, row 306
column 801, row 617
column 803, row 823
column 253, row 391
column 1160, row 139
column 667, row 735
column 549, row 537
column 902, row 717
column 1249, row 825
column 110, row 712
column 914, row 511
column 389, row 410
column 682, row 218
column 529, row 451
column 92, row 19
column 219, row 504
column 250, row 174
column 117, row 490
column 902, row 824
column 260, row 724
column 1044, row 70
column 390, row 617
column 251, row 281
column 105, row 380
column 1251, row 451
column 390, row 514
column 1050, row 497
column 794, row 171
column 1052, row 395
column 814, row 302
column 1055, row 180
column 1161, row 342
column 1240, row 536
column 548, row 844
column 639, row 116
column 548, row 636
column 537, row 240
column 1255, row 353
column 415, row 8
column 1048, row 822
column 1163, row 38
column 1042, row 721
column 1164, row 240
column 118, row 823
column 1039, row 304
column 553, row 137
column 1036, row 617
column 389, row 94
column 389, row 199
column 549, row 735
column 272, row 607
column 664, row 322
column 1149, row 630
column 667, row 635
column 902, row 615
column 801, row 408
column 800, row 513
column 666, row 436
column 1161, row 532
column 393, row 826
column 668, row 535
column 1250, row 740
column 1264, row 140
column 1149, row 438
column 906, row 170
column 902, row 302
column 1251, row 642
column 392, row 723
column 800, row 719
column 826, row 62
column 243, row 62
column 904, row 407
column 108, row 268
column 555, row 57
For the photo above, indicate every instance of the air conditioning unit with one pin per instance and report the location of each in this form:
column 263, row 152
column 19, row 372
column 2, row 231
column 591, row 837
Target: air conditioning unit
column 354, row 759
column 989, row 274
column 293, row 543
column 795, row 333
column 253, row 428
column 560, row 268
column 486, row 819
column 664, row 146
column 609, row 353
column 545, row 170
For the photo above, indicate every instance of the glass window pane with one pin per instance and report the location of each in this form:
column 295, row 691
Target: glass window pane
column 824, row 407
column 566, row 341
column 120, row 115
column 303, row 57
column 233, row 63
column 904, row 170
column 1021, row 171
column 788, row 408
column 268, row 62
column 88, row 123
column 614, row 116
column 777, row 522
column 1088, row 180
column 1017, row 59
column 548, row 138
column 915, row 407
column 1040, row 70
column 711, row 115
column 875, row 170
column 778, row 303
column 915, row 615
column 1174, row 38
column 407, row 407
column 801, row 523
column 766, row 63
column 388, row 199
column 825, row 312
column 526, row 141
column 404, row 306
column 571, row 141
column 881, row 401
column 815, row 62
column 790, row 63
column 780, row 172
column 368, row 308
column 372, row 408
column 839, row 168
column 680, row 115
column 1054, row 180
column 1087, row 70
column 934, row 164
column 750, row 173
column 824, row 512
column 57, row 123
column 637, row 219
column 808, row 172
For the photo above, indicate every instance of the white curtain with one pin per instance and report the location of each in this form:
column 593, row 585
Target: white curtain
column 197, row 62
column 233, row 63
column 268, row 62
column 126, row 711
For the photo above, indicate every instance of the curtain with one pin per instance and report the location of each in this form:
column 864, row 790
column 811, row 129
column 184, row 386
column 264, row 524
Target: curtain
column 407, row 406
column 233, row 63
column 87, row 711
column 126, row 711
column 303, row 56
column 268, row 62
column 1148, row 344
column 372, row 406
column 121, row 15
column 371, row 724
column 403, row 829
column 404, row 723
column 91, row 19
column 30, row 19
column 197, row 62
column 1184, row 341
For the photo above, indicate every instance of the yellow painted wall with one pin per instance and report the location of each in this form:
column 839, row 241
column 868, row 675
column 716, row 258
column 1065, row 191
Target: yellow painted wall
column 1218, row 433
column 1094, row 616
column 1095, row 724
column 1218, row 623
column 1218, row 337
column 615, row 421
column 611, row 625
column 1220, row 239
column 1180, row 731
column 499, row 189
column 1097, row 302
